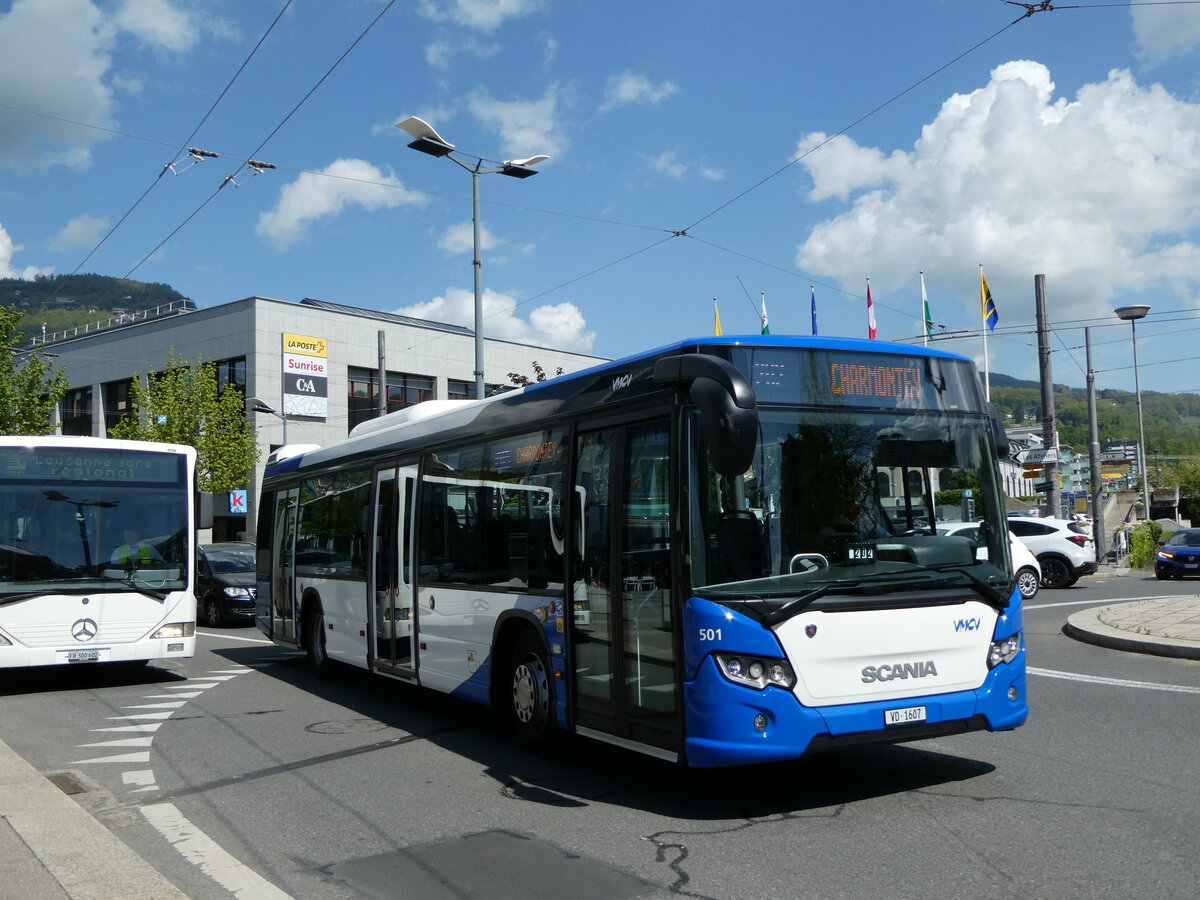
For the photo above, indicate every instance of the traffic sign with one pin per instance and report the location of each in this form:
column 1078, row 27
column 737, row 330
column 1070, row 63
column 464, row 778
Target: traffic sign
column 1043, row 487
column 1042, row 455
column 1033, row 473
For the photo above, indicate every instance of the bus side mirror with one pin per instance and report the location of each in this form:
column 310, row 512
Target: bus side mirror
column 998, row 433
column 204, row 509
column 725, row 400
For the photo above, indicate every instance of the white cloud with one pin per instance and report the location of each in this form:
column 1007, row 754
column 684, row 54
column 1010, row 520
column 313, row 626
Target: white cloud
column 53, row 58
column 669, row 164
column 158, row 23
column 460, row 238
column 1100, row 194
column 560, row 325
column 629, row 87
column 82, row 231
column 7, row 249
column 440, row 54
column 1163, row 32
column 525, row 126
column 313, row 196
column 485, row 15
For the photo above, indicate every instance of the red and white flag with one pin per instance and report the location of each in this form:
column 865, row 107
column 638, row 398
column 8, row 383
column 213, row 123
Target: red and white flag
column 870, row 313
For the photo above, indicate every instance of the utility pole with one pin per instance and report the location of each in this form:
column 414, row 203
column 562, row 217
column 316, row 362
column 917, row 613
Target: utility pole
column 381, row 399
column 1049, row 434
column 1099, row 534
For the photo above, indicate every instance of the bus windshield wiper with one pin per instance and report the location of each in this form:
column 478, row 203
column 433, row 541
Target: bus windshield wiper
column 796, row 605
column 129, row 583
column 993, row 597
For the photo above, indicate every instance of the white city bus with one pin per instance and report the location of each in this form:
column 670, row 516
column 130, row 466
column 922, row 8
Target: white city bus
column 97, row 551
column 717, row 552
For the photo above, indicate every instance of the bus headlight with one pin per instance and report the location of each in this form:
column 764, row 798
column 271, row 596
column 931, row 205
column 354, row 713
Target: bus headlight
column 756, row 671
column 1004, row 650
column 5, row 642
column 176, row 630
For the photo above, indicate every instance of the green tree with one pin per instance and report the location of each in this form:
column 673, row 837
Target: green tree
column 183, row 405
column 30, row 387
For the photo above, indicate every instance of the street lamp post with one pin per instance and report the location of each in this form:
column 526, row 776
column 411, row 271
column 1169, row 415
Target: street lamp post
column 1131, row 314
column 427, row 140
column 258, row 406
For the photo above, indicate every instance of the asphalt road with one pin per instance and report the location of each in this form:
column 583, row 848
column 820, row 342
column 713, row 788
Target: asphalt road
column 238, row 774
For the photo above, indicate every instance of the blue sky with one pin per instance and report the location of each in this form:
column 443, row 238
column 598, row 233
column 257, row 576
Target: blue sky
column 700, row 150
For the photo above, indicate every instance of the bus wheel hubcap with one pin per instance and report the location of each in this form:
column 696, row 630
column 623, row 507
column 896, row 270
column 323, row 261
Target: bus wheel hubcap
column 528, row 696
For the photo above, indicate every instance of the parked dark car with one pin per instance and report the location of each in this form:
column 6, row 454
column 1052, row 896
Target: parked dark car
column 225, row 583
column 1178, row 555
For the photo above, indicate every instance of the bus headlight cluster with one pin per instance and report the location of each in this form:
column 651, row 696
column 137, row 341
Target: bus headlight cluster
column 756, row 671
column 1004, row 650
column 176, row 630
column 5, row 642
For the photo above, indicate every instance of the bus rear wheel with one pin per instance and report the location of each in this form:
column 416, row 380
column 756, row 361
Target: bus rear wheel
column 530, row 695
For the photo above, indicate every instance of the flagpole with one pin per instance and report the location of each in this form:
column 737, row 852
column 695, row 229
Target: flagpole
column 987, row 380
column 924, row 314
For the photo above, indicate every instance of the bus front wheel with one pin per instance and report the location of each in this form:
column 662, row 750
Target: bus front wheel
column 530, row 696
column 314, row 642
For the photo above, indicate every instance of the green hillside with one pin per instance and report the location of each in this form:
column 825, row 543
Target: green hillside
column 65, row 301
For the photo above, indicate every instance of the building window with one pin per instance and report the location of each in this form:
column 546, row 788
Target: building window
column 117, row 402
column 465, row 390
column 402, row 390
column 77, row 411
column 231, row 372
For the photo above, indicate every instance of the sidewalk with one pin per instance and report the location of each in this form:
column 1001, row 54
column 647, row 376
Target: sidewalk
column 1167, row 626
column 54, row 849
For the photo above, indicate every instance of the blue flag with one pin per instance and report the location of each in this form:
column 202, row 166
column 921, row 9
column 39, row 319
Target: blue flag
column 813, row 289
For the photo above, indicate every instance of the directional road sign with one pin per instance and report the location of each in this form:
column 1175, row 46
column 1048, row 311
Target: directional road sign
column 1043, row 455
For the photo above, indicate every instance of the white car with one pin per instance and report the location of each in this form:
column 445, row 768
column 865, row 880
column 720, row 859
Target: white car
column 1025, row 565
column 1064, row 548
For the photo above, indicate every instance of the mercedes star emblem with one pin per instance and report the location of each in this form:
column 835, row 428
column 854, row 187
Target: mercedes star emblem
column 84, row 629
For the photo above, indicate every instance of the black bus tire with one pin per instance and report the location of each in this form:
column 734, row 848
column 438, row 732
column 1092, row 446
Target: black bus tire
column 314, row 641
column 528, row 695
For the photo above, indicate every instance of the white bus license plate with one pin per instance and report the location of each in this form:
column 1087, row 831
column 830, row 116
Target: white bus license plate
column 74, row 656
column 907, row 716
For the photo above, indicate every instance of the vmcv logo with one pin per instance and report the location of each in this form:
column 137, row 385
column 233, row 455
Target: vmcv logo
column 967, row 624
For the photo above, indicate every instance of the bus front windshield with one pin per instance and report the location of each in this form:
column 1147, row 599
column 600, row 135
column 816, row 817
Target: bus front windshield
column 70, row 535
column 852, row 501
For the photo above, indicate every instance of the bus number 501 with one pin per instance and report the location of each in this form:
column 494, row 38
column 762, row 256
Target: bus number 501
column 710, row 634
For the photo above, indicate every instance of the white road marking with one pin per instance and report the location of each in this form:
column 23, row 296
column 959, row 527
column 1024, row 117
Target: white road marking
column 1115, row 682
column 231, row 637
column 141, row 778
column 202, row 851
column 152, row 727
column 143, row 757
column 1098, row 602
column 123, row 742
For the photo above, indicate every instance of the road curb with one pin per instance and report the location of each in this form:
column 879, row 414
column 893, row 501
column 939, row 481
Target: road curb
column 1086, row 626
column 86, row 860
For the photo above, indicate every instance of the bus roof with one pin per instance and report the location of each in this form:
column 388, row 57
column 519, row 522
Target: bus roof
column 620, row 380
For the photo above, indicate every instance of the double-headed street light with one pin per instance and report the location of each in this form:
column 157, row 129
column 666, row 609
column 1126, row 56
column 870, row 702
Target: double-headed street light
column 1131, row 314
column 259, row 406
column 426, row 140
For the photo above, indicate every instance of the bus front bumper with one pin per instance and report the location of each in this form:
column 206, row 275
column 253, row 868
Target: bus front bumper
column 728, row 724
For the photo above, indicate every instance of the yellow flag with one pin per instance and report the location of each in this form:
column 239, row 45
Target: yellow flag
column 716, row 318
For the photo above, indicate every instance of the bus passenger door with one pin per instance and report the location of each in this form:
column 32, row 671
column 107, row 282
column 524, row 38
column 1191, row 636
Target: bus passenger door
column 391, row 588
column 283, row 579
column 623, row 646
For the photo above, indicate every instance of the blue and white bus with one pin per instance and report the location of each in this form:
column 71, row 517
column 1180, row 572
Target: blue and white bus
column 98, row 549
column 722, row 551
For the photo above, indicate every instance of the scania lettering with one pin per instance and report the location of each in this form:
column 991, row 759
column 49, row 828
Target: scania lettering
column 96, row 563
column 717, row 552
column 899, row 670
